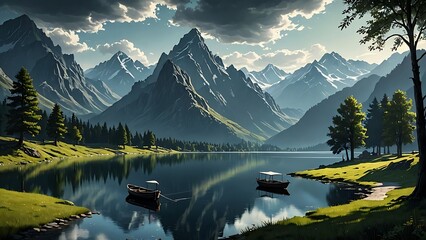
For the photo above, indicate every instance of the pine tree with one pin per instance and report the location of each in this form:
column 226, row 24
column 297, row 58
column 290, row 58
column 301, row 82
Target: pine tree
column 129, row 135
column 55, row 124
column 121, row 135
column 374, row 125
column 23, row 114
column 398, row 121
column 347, row 131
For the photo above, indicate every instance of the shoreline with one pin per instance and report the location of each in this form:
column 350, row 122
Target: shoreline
column 389, row 178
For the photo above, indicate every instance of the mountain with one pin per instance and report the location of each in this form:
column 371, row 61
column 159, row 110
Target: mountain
column 389, row 64
column 312, row 128
column 5, row 84
column 120, row 72
column 318, row 80
column 228, row 91
column 57, row 76
column 398, row 79
column 171, row 107
column 266, row 77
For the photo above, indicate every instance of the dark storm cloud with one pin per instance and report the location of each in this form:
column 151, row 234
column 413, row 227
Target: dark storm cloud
column 87, row 15
column 250, row 21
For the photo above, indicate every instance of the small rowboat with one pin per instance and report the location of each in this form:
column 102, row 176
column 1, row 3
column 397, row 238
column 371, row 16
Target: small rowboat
column 266, row 180
column 144, row 193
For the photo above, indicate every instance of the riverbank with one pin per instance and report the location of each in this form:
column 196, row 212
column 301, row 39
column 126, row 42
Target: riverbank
column 37, row 152
column 20, row 211
column 390, row 218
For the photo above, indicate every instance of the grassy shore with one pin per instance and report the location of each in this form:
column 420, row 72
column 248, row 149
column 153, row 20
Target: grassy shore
column 9, row 155
column 391, row 218
column 20, row 211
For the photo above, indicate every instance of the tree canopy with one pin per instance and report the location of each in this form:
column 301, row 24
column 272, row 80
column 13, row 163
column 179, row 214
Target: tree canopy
column 398, row 121
column 55, row 124
column 347, row 131
column 23, row 116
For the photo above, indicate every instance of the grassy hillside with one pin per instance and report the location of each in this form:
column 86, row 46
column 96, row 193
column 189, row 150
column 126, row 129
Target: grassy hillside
column 48, row 151
column 20, row 211
column 391, row 218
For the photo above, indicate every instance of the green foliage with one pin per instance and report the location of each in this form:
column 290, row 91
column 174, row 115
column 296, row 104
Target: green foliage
column 121, row 135
column 55, row 124
column 402, row 20
column 76, row 135
column 374, row 125
column 23, row 116
column 347, row 131
column 149, row 139
column 398, row 121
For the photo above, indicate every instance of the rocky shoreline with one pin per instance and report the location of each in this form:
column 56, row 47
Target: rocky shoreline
column 42, row 231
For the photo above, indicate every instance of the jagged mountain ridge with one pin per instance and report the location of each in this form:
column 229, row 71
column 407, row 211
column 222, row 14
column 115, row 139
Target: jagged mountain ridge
column 120, row 72
column 312, row 128
column 318, row 80
column 57, row 76
column 226, row 90
column 267, row 76
column 171, row 107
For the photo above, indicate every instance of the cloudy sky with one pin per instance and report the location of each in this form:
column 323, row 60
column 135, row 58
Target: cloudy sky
column 246, row 33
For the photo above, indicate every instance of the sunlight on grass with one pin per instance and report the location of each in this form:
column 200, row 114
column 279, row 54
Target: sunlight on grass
column 26, row 210
column 391, row 218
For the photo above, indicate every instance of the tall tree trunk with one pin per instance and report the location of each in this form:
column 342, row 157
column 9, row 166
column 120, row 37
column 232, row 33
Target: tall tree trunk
column 420, row 190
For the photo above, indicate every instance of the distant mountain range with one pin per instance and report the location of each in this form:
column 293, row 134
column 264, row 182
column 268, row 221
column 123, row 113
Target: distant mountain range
column 266, row 77
column 312, row 128
column 227, row 91
column 190, row 94
column 318, row 80
column 57, row 77
column 119, row 73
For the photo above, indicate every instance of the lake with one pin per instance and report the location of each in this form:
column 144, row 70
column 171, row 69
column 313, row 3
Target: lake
column 206, row 195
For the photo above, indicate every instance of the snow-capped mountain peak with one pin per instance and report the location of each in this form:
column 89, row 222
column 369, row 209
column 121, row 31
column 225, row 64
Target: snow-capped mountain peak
column 318, row 80
column 120, row 72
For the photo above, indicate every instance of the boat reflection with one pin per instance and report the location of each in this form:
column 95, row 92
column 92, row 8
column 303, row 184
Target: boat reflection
column 153, row 205
column 269, row 192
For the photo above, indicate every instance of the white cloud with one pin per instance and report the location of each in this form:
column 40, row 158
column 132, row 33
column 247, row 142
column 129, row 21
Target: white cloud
column 125, row 46
column 289, row 60
column 68, row 40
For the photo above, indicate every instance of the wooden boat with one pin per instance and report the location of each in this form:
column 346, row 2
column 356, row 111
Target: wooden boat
column 266, row 180
column 144, row 193
column 153, row 205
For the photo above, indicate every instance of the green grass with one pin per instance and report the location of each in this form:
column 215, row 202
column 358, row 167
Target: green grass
column 48, row 151
column 20, row 211
column 367, row 172
column 391, row 218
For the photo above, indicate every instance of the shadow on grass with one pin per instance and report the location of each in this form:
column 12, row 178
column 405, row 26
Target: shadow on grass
column 397, row 220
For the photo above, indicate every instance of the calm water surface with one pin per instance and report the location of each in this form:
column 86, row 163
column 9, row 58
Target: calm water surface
column 207, row 195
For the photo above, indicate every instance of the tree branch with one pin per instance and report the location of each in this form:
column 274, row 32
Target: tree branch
column 423, row 28
column 397, row 35
column 420, row 58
